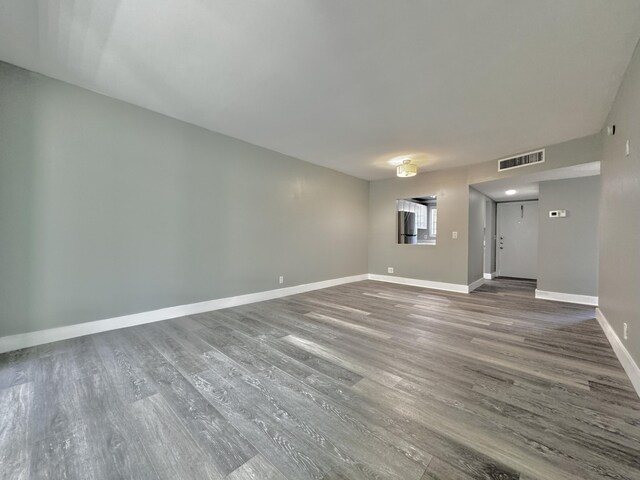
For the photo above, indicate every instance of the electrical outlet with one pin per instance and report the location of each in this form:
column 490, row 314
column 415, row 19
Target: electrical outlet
column 281, row 280
column 625, row 332
column 454, row 235
column 389, row 269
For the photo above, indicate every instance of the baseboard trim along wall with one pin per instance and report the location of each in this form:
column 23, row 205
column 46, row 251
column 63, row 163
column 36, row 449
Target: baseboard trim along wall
column 476, row 284
column 449, row 287
column 625, row 358
column 31, row 339
column 490, row 276
column 567, row 297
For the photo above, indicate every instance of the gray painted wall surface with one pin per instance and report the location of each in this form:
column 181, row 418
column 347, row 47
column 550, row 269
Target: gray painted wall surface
column 573, row 152
column 444, row 262
column 107, row 209
column 173, row 214
column 475, row 267
column 619, row 295
column 568, row 247
column 447, row 261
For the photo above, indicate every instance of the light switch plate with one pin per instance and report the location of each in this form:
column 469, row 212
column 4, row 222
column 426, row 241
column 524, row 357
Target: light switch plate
column 454, row 235
column 625, row 333
column 557, row 213
column 627, row 149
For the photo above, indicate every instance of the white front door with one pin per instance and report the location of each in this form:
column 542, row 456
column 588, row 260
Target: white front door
column 517, row 242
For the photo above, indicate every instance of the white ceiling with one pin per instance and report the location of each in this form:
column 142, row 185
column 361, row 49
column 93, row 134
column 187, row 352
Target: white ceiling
column 347, row 84
column 527, row 186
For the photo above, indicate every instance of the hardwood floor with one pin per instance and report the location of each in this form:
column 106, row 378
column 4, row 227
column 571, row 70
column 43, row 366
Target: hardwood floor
column 365, row 380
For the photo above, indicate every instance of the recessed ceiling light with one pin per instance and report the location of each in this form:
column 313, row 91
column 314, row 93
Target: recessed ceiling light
column 510, row 192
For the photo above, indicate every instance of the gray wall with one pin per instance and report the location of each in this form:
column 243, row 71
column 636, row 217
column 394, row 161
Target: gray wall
column 619, row 295
column 475, row 266
column 108, row 209
column 566, row 154
column 170, row 213
column 568, row 247
column 447, row 261
column 444, row 262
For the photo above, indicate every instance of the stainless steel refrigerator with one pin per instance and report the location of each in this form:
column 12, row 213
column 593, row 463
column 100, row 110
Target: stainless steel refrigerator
column 407, row 230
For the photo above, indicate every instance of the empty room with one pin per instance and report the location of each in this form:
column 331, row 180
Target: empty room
column 311, row 239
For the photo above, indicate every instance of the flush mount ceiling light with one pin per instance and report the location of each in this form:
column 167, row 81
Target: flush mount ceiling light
column 407, row 169
column 510, row 192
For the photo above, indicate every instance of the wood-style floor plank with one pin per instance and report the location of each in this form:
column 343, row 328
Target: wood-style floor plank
column 275, row 392
column 173, row 451
column 257, row 468
column 15, row 405
column 367, row 380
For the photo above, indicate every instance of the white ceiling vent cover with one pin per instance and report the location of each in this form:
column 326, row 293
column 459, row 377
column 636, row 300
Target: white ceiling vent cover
column 521, row 160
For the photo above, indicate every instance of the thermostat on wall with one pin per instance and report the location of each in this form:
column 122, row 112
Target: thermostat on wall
column 557, row 213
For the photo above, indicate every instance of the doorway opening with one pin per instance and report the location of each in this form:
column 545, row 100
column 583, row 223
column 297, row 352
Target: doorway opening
column 507, row 229
column 517, row 240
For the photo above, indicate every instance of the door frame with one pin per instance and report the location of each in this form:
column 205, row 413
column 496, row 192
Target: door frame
column 497, row 236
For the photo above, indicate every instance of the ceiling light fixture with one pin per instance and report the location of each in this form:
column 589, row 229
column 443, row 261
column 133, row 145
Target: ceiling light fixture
column 407, row 169
column 510, row 192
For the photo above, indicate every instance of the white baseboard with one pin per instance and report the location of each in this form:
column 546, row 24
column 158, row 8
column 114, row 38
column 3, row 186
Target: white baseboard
column 450, row 287
column 30, row 339
column 490, row 276
column 476, row 284
column 567, row 297
column 627, row 361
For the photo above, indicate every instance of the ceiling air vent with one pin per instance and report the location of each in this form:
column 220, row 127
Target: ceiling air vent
column 521, row 160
